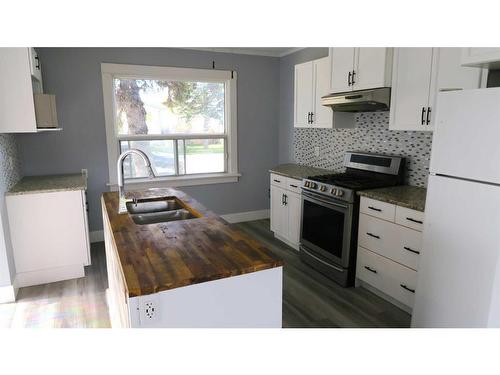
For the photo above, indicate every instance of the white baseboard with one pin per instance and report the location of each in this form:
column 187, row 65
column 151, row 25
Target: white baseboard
column 50, row 275
column 239, row 217
column 8, row 293
column 96, row 236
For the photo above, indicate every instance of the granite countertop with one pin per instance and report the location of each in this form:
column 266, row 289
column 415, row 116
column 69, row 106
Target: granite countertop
column 404, row 195
column 298, row 171
column 49, row 184
column 164, row 256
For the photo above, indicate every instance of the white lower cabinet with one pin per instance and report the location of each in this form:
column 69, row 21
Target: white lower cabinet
column 49, row 234
column 389, row 248
column 286, row 209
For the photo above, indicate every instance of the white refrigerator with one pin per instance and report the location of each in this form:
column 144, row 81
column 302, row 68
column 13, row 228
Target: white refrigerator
column 459, row 272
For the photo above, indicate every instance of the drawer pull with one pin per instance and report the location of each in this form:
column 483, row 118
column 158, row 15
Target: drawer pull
column 373, row 235
column 294, row 186
column 371, row 269
column 276, row 180
column 414, row 220
column 408, row 289
column 411, row 250
column 375, row 209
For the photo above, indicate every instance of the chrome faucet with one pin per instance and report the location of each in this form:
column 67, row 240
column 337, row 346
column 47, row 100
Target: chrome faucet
column 122, row 207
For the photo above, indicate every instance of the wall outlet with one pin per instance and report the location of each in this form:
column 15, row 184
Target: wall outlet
column 149, row 310
column 316, row 151
column 85, row 172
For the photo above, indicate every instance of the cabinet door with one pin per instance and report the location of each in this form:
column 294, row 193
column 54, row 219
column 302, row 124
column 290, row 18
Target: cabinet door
column 279, row 216
column 322, row 116
column 35, row 66
column 481, row 57
column 372, row 67
column 303, row 105
column 294, row 206
column 411, row 81
column 449, row 74
column 342, row 62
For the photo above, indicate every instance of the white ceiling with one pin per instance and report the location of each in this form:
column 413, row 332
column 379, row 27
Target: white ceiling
column 262, row 51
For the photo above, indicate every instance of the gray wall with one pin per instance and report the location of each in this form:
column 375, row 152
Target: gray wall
column 73, row 75
column 287, row 63
column 10, row 170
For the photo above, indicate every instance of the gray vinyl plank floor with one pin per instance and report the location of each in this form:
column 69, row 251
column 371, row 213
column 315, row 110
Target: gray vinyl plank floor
column 311, row 300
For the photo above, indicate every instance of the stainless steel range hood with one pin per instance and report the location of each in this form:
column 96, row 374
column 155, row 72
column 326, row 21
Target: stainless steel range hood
column 359, row 101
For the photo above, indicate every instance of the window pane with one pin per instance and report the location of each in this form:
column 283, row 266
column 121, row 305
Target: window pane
column 160, row 153
column 204, row 155
column 145, row 106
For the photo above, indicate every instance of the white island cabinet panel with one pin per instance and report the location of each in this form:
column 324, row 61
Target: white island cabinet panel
column 252, row 300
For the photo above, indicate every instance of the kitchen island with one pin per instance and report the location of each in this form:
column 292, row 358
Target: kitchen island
column 197, row 272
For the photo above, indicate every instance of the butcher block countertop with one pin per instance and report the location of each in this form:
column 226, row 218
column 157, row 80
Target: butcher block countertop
column 163, row 256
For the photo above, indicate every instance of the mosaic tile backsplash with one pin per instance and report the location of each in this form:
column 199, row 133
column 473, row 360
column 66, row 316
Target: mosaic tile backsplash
column 370, row 135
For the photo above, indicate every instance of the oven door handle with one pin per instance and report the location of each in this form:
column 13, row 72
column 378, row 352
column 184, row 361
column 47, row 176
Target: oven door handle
column 317, row 199
column 321, row 260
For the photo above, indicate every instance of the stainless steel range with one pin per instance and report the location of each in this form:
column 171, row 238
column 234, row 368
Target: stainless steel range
column 330, row 207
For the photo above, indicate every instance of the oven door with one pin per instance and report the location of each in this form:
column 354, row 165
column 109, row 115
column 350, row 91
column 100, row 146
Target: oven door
column 326, row 227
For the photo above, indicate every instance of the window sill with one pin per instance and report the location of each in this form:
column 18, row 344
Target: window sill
column 192, row 180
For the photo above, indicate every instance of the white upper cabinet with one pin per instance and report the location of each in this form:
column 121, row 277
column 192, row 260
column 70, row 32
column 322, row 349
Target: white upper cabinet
column 481, row 57
column 342, row 61
column 20, row 80
column 303, row 94
column 360, row 68
column 311, row 83
column 411, row 83
column 322, row 116
column 418, row 75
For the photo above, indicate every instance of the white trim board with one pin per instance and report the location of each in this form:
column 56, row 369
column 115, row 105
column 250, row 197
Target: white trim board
column 8, row 293
column 258, row 51
column 239, row 217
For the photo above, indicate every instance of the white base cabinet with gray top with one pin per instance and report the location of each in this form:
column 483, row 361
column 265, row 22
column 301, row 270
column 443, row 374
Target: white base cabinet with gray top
column 49, row 231
column 389, row 248
column 286, row 209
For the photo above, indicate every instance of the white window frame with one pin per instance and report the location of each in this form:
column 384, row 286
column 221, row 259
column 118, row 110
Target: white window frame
column 110, row 71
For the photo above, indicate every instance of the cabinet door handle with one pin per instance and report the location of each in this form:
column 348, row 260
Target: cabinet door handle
column 375, row 209
column 428, row 115
column 282, row 199
column 276, row 180
column 286, row 199
column 414, row 220
column 352, row 80
column 408, row 289
column 309, row 117
column 422, row 122
column 411, row 250
column 312, row 120
column 371, row 269
column 373, row 235
column 294, row 186
column 349, row 79
column 37, row 62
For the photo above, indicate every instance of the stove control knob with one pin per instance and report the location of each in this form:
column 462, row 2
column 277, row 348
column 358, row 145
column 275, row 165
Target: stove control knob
column 333, row 191
column 306, row 184
column 322, row 188
column 313, row 185
column 340, row 193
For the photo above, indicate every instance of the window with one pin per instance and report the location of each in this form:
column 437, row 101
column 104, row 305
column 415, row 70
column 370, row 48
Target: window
column 183, row 119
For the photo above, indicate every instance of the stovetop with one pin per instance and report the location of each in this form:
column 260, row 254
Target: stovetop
column 351, row 180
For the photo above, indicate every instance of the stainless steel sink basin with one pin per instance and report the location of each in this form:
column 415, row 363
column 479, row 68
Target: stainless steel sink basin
column 162, row 216
column 158, row 210
column 148, row 206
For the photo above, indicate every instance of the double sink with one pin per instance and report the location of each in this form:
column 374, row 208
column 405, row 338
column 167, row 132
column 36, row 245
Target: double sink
column 159, row 210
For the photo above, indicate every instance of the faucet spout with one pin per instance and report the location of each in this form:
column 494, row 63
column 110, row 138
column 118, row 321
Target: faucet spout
column 122, row 207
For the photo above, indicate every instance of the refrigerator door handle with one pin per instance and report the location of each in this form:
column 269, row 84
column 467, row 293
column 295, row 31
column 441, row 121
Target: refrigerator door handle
column 422, row 118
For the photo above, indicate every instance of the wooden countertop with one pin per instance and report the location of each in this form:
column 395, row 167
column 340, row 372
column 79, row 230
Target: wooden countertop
column 163, row 256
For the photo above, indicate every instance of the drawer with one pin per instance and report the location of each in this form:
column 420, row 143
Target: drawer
column 293, row 184
column 393, row 279
column 379, row 209
column 400, row 244
column 278, row 180
column 410, row 218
